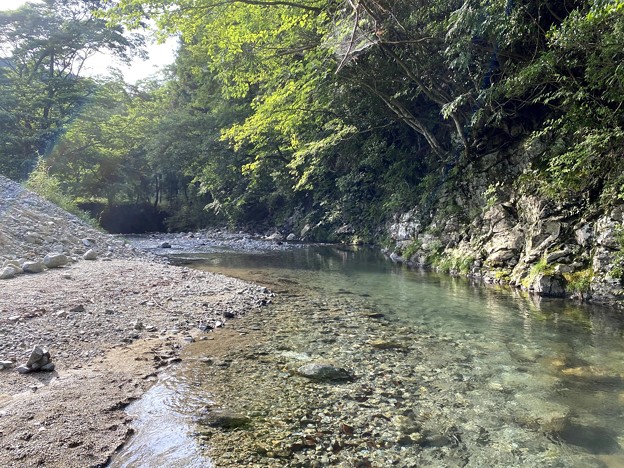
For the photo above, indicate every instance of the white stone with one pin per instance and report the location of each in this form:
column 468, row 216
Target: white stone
column 90, row 255
column 8, row 272
column 55, row 260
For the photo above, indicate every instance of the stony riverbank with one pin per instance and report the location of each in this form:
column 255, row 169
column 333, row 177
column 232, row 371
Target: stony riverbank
column 109, row 325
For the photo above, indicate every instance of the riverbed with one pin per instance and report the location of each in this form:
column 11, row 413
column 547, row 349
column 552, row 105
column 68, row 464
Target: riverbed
column 442, row 372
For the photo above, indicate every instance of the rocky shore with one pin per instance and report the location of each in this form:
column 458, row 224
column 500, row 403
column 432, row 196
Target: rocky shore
column 505, row 234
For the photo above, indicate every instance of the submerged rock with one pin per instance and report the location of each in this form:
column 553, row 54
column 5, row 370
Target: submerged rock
column 593, row 374
column 385, row 344
column 324, row 372
column 224, row 419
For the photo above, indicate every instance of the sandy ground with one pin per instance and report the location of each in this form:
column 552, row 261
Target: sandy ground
column 109, row 326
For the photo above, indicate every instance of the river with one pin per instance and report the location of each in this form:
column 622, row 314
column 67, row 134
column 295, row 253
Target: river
column 442, row 372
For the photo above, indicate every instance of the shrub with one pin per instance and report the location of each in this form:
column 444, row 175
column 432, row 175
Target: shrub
column 49, row 187
column 579, row 281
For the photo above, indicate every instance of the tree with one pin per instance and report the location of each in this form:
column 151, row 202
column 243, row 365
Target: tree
column 44, row 47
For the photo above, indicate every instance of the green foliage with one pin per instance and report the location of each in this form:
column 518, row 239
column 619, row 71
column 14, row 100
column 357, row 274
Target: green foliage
column 491, row 195
column 579, row 79
column 49, row 187
column 347, row 113
column 44, row 47
column 452, row 262
column 411, row 249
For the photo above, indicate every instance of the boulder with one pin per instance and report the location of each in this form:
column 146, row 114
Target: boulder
column 291, row 237
column 33, row 267
column 39, row 360
column 55, row 260
column 165, row 245
column 224, row 419
column 549, row 285
column 36, row 355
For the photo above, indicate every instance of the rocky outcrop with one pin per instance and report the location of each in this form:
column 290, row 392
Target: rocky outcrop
column 506, row 233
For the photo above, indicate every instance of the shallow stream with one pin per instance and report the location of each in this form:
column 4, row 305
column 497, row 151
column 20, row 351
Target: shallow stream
column 443, row 373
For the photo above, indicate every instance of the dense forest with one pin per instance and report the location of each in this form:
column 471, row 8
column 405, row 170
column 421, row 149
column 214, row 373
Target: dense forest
column 324, row 113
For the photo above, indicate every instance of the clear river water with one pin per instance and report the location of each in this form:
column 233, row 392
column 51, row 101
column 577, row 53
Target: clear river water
column 442, row 372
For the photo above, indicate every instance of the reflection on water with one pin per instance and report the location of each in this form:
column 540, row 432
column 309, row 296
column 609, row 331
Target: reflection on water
column 164, row 436
column 538, row 379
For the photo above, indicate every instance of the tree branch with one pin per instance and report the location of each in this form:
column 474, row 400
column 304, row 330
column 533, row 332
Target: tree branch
column 258, row 2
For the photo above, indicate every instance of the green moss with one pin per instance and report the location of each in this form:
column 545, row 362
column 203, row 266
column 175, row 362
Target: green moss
column 579, row 281
column 452, row 262
column 541, row 267
column 502, row 276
